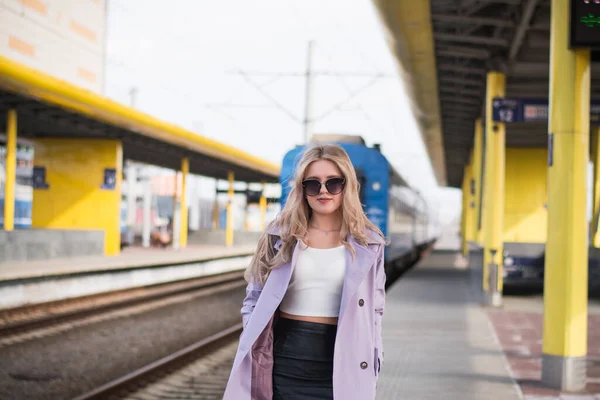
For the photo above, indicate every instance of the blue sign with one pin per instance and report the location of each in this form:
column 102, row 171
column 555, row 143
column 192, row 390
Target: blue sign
column 530, row 110
column 110, row 179
column 39, row 178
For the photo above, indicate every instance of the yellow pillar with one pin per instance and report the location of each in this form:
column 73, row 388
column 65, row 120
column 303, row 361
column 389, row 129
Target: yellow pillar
column 263, row 210
column 175, row 222
column 477, row 176
column 183, row 232
column 11, row 170
column 229, row 228
column 175, row 194
column 466, row 210
column 595, row 232
column 463, row 213
column 566, row 271
column 470, row 234
column 471, row 197
column 493, row 205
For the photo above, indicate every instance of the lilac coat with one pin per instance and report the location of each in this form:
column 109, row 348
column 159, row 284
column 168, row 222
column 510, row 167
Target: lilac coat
column 358, row 352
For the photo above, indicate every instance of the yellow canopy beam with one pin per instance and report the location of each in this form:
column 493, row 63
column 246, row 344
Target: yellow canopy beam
column 29, row 82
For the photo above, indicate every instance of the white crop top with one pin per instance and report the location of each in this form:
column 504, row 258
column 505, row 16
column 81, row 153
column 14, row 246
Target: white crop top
column 316, row 284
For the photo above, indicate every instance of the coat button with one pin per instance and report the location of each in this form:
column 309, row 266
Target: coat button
column 361, row 302
column 364, row 365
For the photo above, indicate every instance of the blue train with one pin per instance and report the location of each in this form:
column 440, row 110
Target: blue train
column 389, row 202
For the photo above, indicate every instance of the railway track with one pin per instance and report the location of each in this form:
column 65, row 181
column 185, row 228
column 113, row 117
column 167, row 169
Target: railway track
column 35, row 321
column 199, row 371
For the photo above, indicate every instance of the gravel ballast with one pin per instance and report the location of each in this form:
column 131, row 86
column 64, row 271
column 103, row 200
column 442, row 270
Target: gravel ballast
column 71, row 363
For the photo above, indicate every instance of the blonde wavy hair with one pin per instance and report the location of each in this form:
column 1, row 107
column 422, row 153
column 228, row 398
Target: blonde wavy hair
column 293, row 219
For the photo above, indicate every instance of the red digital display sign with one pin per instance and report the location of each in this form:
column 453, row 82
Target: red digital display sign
column 585, row 24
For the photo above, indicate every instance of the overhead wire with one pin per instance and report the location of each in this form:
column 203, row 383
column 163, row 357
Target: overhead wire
column 359, row 104
column 280, row 106
column 351, row 95
column 339, row 75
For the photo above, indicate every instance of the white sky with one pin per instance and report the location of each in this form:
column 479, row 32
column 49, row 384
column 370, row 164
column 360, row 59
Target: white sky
column 182, row 59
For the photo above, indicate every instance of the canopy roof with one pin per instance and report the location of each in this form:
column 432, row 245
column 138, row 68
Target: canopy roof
column 445, row 49
column 49, row 107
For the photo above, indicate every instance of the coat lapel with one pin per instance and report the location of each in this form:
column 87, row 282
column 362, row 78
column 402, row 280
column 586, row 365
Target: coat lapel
column 356, row 269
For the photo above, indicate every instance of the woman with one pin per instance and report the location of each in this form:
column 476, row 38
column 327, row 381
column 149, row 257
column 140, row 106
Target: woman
column 316, row 292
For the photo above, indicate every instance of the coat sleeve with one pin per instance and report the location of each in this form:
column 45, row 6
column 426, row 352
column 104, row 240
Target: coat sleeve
column 379, row 302
column 253, row 290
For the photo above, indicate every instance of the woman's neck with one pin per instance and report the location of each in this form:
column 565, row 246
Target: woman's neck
column 328, row 222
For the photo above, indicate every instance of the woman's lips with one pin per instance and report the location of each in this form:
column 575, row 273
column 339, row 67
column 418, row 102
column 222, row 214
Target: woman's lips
column 323, row 201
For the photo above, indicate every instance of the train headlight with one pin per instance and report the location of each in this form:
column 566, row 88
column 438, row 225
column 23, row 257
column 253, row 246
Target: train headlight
column 508, row 261
column 376, row 186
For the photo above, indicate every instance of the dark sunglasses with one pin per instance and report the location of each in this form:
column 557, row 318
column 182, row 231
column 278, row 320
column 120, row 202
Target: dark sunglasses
column 312, row 187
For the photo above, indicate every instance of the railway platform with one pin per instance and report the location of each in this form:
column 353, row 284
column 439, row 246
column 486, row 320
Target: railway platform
column 439, row 342
column 31, row 282
column 130, row 258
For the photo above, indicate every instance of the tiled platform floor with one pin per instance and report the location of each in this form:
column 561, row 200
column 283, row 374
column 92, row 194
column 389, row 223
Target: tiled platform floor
column 438, row 342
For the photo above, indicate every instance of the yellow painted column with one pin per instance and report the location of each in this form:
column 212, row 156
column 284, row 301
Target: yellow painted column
column 263, row 209
column 11, row 170
column 566, row 270
column 470, row 205
column 229, row 227
column 493, row 205
column 466, row 210
column 477, row 175
column 176, row 221
column 183, row 232
column 463, row 215
column 595, row 234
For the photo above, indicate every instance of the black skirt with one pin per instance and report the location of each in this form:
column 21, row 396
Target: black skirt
column 303, row 360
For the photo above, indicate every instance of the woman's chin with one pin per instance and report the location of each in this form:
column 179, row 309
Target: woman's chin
column 324, row 210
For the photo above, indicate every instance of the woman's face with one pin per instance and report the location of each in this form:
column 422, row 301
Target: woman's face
column 322, row 201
